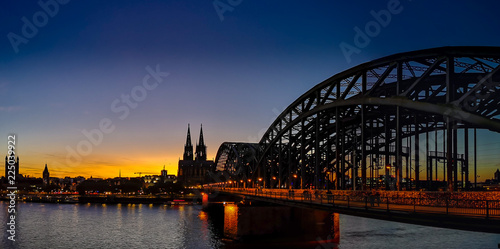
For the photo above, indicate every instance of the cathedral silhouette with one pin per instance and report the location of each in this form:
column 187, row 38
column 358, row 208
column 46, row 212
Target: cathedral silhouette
column 192, row 172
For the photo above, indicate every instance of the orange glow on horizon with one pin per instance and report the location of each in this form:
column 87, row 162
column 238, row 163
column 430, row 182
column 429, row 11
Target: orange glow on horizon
column 107, row 160
column 109, row 164
column 33, row 168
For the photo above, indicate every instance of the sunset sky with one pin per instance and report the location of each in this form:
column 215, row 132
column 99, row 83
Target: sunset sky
column 71, row 67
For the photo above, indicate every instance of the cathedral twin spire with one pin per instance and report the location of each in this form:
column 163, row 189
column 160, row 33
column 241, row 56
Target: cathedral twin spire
column 188, row 148
column 201, row 148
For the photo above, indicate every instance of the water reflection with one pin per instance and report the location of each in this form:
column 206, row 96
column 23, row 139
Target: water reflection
column 111, row 226
column 203, row 216
column 231, row 221
column 247, row 226
column 161, row 226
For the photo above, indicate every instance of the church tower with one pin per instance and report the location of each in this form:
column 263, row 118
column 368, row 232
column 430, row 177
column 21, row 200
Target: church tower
column 188, row 148
column 201, row 149
column 46, row 176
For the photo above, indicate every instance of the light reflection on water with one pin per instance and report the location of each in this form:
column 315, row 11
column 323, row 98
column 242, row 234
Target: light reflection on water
column 158, row 226
column 230, row 220
column 109, row 226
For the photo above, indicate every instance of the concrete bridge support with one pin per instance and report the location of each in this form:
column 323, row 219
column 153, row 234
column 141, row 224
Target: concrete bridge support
column 242, row 222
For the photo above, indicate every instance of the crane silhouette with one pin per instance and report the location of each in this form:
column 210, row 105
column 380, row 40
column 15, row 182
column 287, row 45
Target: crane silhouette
column 140, row 173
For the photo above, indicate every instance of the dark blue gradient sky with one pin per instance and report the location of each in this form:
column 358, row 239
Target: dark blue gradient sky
column 233, row 75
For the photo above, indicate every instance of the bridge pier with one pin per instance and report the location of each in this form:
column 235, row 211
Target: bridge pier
column 257, row 220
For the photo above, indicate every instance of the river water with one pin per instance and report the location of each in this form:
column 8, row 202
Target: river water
column 44, row 225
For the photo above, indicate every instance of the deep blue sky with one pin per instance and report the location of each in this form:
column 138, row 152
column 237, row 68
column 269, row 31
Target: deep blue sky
column 233, row 75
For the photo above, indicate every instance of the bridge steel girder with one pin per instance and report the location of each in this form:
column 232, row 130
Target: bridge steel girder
column 338, row 126
column 237, row 160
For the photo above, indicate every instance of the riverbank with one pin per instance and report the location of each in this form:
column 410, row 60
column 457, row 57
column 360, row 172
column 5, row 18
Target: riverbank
column 110, row 199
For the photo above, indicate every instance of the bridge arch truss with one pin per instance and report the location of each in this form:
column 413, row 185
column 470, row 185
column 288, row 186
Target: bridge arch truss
column 401, row 114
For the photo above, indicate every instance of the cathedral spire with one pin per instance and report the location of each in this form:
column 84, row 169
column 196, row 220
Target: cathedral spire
column 188, row 139
column 201, row 149
column 188, row 147
column 202, row 142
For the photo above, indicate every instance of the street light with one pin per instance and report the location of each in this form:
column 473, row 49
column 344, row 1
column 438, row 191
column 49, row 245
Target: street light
column 273, row 182
column 387, row 170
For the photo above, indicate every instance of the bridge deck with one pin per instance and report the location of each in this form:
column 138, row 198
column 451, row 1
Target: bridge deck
column 475, row 215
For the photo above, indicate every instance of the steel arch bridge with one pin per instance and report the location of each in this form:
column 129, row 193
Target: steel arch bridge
column 381, row 115
column 239, row 160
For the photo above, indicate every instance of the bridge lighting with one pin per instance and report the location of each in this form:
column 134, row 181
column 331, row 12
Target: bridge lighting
column 241, row 180
column 274, row 177
column 294, row 176
column 249, row 180
column 260, row 179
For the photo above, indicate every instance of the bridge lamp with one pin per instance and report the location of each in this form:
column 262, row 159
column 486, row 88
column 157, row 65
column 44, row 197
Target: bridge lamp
column 274, row 177
column 260, row 179
column 294, row 176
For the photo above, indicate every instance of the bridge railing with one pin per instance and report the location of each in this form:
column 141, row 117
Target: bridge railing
column 437, row 205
